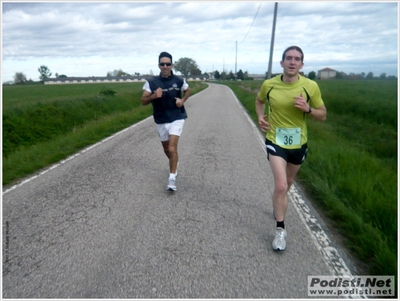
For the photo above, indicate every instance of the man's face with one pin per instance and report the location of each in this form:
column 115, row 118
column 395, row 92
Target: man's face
column 292, row 63
column 165, row 66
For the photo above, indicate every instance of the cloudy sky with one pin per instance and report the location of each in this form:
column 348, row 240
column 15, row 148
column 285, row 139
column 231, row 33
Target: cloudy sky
column 93, row 38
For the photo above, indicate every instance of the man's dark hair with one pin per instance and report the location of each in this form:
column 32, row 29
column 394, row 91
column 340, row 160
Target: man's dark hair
column 164, row 54
column 293, row 48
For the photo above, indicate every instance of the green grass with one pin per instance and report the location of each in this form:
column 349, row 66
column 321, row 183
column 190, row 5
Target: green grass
column 22, row 96
column 26, row 124
column 40, row 127
column 351, row 169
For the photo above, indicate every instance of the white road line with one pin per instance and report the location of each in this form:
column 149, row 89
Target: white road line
column 73, row 156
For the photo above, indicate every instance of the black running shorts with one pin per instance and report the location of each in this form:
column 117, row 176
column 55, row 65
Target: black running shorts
column 293, row 156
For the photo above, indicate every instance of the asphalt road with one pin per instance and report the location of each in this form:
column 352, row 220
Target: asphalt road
column 102, row 225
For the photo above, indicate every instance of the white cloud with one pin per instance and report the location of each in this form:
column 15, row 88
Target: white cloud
column 92, row 38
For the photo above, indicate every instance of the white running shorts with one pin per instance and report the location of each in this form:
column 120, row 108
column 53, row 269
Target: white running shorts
column 167, row 129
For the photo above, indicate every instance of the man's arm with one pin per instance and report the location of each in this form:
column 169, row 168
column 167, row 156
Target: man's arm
column 186, row 94
column 181, row 101
column 318, row 114
column 148, row 97
column 260, row 111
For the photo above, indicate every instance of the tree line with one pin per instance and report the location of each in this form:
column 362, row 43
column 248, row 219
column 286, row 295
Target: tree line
column 188, row 67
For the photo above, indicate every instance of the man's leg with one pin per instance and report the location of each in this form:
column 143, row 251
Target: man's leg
column 173, row 153
column 165, row 145
column 173, row 161
column 284, row 174
column 171, row 150
column 279, row 197
column 291, row 172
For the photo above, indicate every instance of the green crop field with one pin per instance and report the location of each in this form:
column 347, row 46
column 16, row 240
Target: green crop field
column 350, row 173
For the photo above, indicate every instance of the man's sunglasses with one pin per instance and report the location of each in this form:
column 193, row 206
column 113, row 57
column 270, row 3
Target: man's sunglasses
column 163, row 64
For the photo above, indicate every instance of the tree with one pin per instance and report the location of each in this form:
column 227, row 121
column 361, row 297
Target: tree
column 217, row 75
column 370, row 75
column 195, row 71
column 19, row 78
column 223, row 75
column 340, row 75
column 383, row 76
column 187, row 66
column 240, row 75
column 44, row 72
column 312, row 75
column 117, row 73
column 121, row 73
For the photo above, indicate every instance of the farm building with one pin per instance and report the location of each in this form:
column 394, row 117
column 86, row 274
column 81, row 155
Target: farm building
column 326, row 73
column 113, row 79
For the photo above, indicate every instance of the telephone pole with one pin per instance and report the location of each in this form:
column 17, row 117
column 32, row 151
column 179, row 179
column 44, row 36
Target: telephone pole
column 236, row 63
column 272, row 42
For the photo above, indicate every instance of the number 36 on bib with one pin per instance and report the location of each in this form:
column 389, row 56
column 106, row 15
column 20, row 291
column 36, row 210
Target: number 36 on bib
column 288, row 137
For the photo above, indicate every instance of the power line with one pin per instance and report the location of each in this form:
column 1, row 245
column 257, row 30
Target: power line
column 251, row 23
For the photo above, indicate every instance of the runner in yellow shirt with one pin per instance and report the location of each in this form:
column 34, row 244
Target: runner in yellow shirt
column 290, row 98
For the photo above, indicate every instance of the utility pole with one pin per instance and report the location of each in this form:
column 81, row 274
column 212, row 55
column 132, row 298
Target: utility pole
column 236, row 63
column 272, row 42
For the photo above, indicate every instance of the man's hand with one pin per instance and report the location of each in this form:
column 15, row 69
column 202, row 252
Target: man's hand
column 158, row 93
column 262, row 122
column 179, row 102
column 301, row 103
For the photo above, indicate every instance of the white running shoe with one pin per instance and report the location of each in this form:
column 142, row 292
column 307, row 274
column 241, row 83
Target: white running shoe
column 171, row 184
column 279, row 243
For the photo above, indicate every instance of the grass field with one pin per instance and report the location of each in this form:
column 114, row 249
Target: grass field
column 350, row 173
column 44, row 124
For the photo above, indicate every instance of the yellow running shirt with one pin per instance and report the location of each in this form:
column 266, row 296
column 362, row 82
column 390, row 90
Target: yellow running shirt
column 288, row 126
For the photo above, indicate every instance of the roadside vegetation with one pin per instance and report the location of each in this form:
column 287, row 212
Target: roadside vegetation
column 43, row 124
column 350, row 174
column 351, row 170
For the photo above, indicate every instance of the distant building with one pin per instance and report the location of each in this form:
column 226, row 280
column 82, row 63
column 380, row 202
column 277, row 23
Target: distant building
column 257, row 76
column 83, row 80
column 108, row 79
column 326, row 73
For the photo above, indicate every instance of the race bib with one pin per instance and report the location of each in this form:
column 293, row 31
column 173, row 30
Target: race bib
column 288, row 137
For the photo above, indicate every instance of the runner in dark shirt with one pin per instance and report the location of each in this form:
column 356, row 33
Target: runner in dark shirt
column 167, row 93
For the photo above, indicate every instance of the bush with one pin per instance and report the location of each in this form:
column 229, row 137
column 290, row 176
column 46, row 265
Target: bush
column 107, row 92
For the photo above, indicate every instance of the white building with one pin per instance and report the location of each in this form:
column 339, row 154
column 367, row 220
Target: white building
column 326, row 73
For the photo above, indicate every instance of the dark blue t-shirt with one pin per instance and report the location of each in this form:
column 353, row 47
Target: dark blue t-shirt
column 164, row 108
